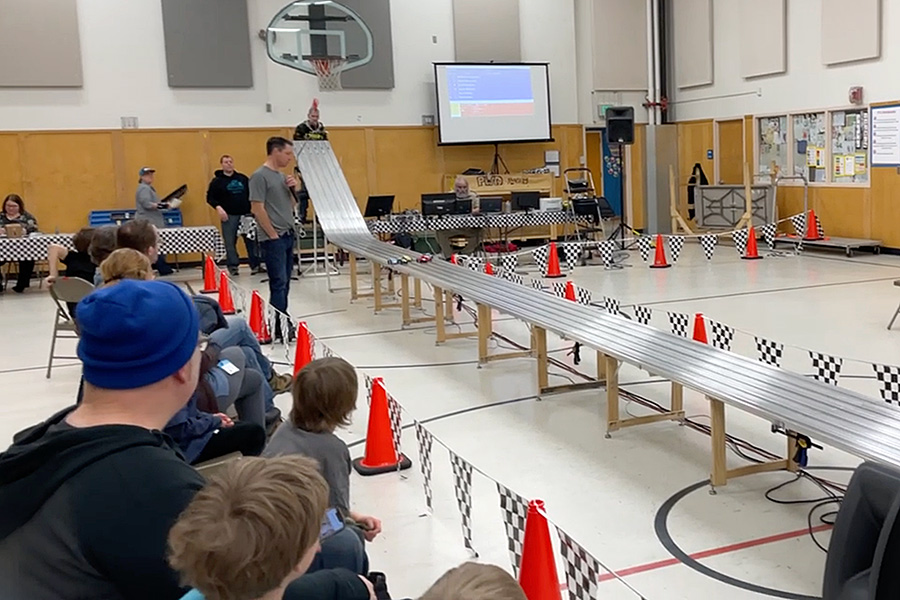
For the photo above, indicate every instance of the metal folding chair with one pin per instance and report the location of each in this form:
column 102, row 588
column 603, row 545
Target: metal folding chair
column 65, row 289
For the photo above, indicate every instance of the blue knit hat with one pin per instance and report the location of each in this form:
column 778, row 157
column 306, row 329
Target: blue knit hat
column 135, row 333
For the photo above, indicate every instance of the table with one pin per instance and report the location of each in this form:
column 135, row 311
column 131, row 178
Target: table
column 176, row 240
column 417, row 223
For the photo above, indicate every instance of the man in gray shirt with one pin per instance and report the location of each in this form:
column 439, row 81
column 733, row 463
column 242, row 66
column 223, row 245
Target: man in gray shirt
column 149, row 208
column 272, row 202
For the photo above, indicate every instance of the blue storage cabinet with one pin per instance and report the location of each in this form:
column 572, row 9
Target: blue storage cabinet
column 117, row 216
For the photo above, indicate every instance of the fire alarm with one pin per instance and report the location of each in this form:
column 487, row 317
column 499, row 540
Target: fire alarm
column 856, row 94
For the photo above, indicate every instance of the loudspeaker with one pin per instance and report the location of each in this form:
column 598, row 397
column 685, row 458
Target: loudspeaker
column 620, row 124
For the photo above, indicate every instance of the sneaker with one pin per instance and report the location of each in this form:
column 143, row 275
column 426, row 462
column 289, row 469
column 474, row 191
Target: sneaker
column 281, row 383
column 233, row 271
column 273, row 420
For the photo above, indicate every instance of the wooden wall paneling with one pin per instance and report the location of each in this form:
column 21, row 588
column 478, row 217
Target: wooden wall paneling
column 246, row 146
column 352, row 153
column 790, row 202
column 885, row 206
column 694, row 139
column 177, row 156
column 67, row 175
column 10, row 158
column 406, row 163
column 636, row 177
column 593, row 153
column 842, row 211
column 730, row 148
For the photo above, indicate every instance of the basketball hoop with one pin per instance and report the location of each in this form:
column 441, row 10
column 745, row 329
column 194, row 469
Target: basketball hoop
column 328, row 70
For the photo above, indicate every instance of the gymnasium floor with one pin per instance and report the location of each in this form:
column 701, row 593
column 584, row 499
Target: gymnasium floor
column 605, row 493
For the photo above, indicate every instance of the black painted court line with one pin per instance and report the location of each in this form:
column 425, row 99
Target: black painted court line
column 39, row 368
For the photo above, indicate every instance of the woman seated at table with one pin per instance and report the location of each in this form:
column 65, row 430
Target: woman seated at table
column 15, row 216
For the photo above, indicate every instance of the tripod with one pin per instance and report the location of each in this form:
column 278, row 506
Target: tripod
column 498, row 160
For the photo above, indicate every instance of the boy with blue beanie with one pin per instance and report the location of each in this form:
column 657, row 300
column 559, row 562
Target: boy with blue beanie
column 87, row 497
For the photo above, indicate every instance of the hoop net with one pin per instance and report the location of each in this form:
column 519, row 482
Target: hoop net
column 328, row 70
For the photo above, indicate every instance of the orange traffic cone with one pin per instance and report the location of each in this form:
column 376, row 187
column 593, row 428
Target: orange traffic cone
column 257, row 320
column 303, row 355
column 209, row 276
column 553, row 262
column 381, row 456
column 537, row 572
column 570, row 292
column 812, row 227
column 488, row 268
column 226, row 302
column 659, row 261
column 752, row 253
column 700, row 329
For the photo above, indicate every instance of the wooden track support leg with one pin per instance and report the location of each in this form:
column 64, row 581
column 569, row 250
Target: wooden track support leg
column 404, row 299
column 612, row 395
column 441, row 332
column 719, row 475
column 485, row 331
column 354, row 282
column 376, row 285
column 417, row 291
column 539, row 347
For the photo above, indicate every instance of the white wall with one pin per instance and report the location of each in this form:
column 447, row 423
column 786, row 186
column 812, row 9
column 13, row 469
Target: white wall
column 125, row 73
column 807, row 84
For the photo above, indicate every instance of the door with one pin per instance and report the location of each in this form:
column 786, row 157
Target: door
column 730, row 142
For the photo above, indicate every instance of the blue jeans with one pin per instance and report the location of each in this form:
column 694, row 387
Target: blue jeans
column 344, row 550
column 279, row 257
column 230, row 234
column 238, row 334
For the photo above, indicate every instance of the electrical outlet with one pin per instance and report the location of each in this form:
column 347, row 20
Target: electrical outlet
column 268, row 107
column 434, row 39
column 129, row 122
column 427, row 119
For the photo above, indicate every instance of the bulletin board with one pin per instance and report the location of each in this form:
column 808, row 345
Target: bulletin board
column 886, row 136
column 772, row 143
column 850, row 146
column 810, row 146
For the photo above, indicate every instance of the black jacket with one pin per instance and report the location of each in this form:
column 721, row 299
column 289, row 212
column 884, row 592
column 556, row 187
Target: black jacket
column 85, row 512
column 231, row 192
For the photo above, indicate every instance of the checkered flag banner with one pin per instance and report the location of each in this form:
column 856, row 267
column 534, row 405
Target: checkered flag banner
column 515, row 510
column 509, row 262
column 740, row 240
column 799, row 223
column 369, row 382
column 582, row 569
column 642, row 314
column 708, row 242
column 462, row 486
column 889, row 378
column 819, row 229
column 517, row 278
column 426, row 440
column 327, row 352
column 611, row 305
column 722, row 335
column 679, row 323
column 537, row 284
column 541, row 255
column 645, row 243
column 770, row 352
column 559, row 289
column 768, row 233
column 607, row 249
column 676, row 243
column 828, row 368
column 475, row 263
column 395, row 411
column 582, row 295
column 572, row 254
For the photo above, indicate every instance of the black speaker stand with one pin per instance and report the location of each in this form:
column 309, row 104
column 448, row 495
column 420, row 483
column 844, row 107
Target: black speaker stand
column 498, row 160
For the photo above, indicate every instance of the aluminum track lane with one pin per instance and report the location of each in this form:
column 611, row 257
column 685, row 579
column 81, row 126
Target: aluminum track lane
column 855, row 423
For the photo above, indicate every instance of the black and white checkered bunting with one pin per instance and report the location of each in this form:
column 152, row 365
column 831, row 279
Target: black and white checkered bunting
column 819, row 229
column 768, row 232
column 514, row 509
column 607, row 250
column 475, row 263
column 583, row 296
column 369, row 383
column 559, row 289
column 462, row 487
column 517, row 278
column 541, row 255
column 740, row 240
column 889, row 380
column 642, row 314
column 537, row 284
column 769, row 352
column 426, row 441
column 611, row 305
column 827, row 368
column 708, row 242
column 678, row 322
column 722, row 335
column 572, row 255
column 799, row 223
column 645, row 243
column 582, row 569
column 676, row 243
column 395, row 411
column 509, row 262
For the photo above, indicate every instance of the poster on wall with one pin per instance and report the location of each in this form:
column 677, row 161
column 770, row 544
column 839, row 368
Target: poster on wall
column 886, row 136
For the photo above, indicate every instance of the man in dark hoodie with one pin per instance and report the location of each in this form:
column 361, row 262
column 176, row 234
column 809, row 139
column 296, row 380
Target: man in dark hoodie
column 87, row 497
column 229, row 194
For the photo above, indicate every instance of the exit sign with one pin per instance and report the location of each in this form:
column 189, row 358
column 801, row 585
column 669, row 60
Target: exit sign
column 602, row 110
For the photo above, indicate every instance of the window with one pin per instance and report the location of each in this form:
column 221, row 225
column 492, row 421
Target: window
column 772, row 143
column 850, row 146
column 810, row 145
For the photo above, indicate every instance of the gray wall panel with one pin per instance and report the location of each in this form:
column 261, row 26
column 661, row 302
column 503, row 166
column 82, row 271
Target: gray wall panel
column 207, row 43
column 487, row 30
column 378, row 74
column 39, row 44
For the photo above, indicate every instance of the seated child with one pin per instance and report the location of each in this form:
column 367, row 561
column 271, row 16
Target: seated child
column 253, row 530
column 473, row 581
column 324, row 394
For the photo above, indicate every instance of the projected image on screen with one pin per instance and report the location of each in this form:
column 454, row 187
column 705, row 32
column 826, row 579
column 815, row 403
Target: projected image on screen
column 492, row 103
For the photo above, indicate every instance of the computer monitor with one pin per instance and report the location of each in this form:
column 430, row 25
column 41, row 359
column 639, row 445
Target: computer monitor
column 438, row 204
column 491, row 204
column 379, row 206
column 526, row 200
column 463, row 206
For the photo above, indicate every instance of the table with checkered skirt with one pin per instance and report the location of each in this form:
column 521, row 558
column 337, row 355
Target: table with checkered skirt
column 174, row 240
column 416, row 223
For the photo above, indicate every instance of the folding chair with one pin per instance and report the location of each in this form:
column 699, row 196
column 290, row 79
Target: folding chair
column 65, row 289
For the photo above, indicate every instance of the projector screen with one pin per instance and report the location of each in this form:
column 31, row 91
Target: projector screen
column 483, row 103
